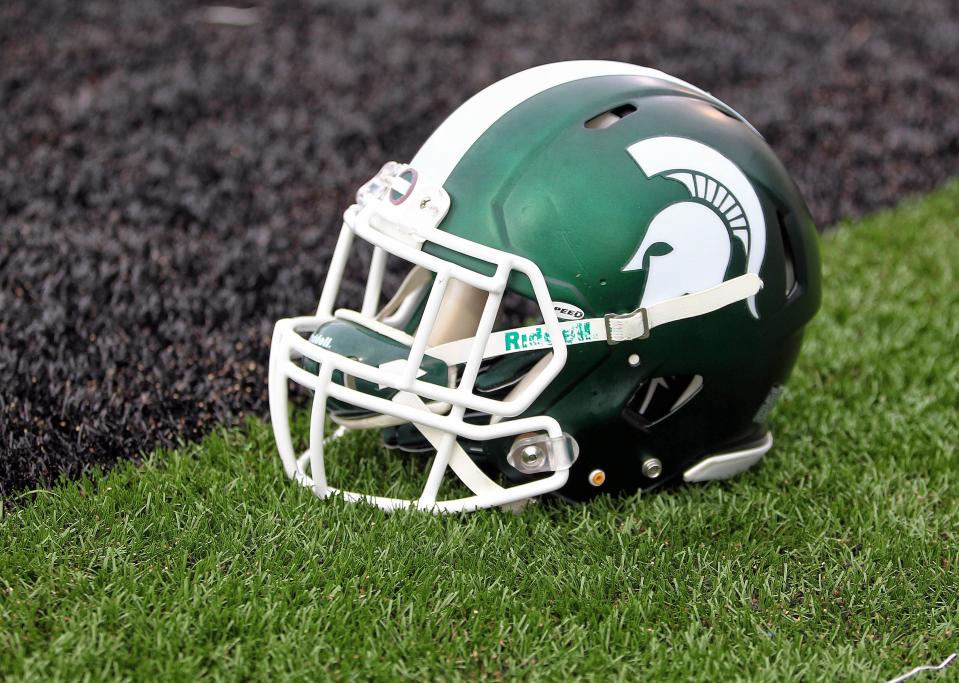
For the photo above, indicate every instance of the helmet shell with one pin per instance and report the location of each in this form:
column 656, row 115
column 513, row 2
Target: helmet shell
column 542, row 183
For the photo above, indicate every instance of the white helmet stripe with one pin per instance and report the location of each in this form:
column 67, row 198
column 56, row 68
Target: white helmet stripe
column 440, row 154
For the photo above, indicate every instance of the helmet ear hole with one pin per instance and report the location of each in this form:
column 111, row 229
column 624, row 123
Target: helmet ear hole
column 659, row 397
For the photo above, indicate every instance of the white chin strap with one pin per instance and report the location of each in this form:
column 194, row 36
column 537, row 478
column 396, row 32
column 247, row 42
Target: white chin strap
column 636, row 325
column 611, row 328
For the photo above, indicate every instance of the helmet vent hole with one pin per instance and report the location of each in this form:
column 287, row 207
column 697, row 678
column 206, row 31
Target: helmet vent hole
column 789, row 257
column 608, row 118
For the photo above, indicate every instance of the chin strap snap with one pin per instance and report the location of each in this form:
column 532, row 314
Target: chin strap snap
column 612, row 328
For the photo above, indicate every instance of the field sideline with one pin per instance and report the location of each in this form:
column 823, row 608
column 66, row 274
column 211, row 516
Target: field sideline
column 838, row 559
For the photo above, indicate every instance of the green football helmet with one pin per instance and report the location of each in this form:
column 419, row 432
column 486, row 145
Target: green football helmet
column 665, row 261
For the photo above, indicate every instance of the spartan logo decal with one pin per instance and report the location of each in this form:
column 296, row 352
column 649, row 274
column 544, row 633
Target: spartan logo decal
column 688, row 244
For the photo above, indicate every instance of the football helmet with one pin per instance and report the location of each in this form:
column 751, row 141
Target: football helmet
column 664, row 260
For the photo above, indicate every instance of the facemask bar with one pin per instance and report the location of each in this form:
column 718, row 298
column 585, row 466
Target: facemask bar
column 381, row 227
column 400, row 228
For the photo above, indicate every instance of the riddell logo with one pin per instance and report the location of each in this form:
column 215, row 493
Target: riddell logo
column 539, row 338
column 567, row 311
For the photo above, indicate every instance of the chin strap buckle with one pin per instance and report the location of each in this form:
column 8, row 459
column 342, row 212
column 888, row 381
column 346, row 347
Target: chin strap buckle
column 626, row 326
column 636, row 325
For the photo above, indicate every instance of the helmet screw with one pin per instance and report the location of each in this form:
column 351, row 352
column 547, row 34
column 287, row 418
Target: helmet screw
column 532, row 456
column 652, row 467
column 597, row 477
column 633, row 360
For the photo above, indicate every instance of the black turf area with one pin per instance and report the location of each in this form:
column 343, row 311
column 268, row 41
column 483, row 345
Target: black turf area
column 170, row 185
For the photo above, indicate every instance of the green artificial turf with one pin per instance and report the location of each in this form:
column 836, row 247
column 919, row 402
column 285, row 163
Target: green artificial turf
column 835, row 560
